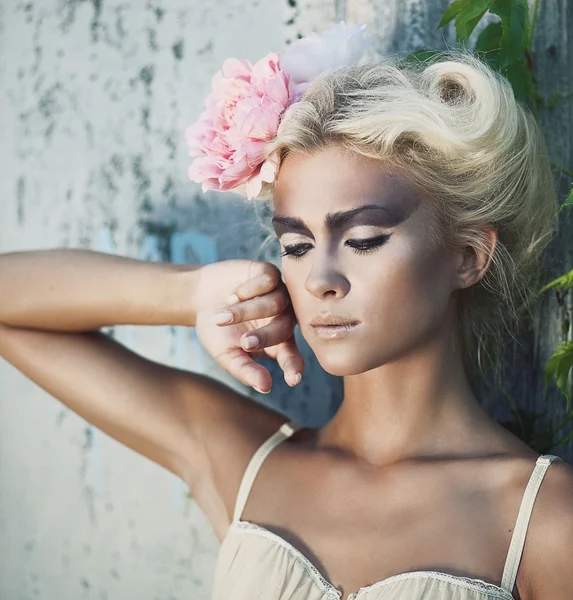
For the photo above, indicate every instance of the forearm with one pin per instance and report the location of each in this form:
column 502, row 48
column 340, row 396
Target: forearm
column 80, row 290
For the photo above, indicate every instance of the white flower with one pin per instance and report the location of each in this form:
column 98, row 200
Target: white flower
column 317, row 54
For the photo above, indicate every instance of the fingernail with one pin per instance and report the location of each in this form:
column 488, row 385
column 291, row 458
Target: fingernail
column 249, row 342
column 232, row 299
column 294, row 379
column 222, row 317
column 260, row 391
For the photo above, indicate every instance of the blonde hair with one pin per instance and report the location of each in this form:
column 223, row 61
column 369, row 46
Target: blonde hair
column 453, row 127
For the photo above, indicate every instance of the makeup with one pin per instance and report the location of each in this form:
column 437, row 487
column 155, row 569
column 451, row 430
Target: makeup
column 334, row 332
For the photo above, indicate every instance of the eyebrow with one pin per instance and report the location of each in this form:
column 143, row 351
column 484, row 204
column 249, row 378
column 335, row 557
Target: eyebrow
column 386, row 218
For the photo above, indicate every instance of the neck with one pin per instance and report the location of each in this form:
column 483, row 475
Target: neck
column 418, row 406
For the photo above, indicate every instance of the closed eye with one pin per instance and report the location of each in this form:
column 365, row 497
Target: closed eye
column 359, row 246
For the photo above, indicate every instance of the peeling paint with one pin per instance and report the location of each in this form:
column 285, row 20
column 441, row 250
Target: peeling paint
column 142, row 180
column 177, row 49
column 146, row 75
column 95, row 24
column 20, row 193
column 208, row 47
column 152, row 39
column 159, row 14
column 145, row 118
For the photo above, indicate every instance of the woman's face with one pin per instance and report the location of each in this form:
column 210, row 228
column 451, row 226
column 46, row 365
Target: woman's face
column 376, row 267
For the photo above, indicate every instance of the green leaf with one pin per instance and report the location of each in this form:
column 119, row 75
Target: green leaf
column 564, row 282
column 488, row 45
column 521, row 80
column 472, row 23
column 418, row 57
column 468, row 17
column 568, row 202
column 514, row 15
column 451, row 11
column 559, row 366
column 489, row 38
column 556, row 98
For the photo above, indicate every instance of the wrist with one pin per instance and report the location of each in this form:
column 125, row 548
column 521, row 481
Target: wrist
column 182, row 291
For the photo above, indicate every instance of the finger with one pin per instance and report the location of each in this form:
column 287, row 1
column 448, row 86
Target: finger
column 265, row 280
column 277, row 331
column 288, row 357
column 268, row 305
column 241, row 366
column 291, row 361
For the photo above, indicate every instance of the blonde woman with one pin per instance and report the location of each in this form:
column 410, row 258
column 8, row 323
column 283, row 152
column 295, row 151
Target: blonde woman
column 412, row 206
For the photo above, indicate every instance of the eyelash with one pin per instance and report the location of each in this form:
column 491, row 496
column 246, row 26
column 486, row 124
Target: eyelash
column 361, row 247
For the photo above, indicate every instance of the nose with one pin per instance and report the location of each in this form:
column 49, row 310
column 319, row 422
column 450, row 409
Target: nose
column 325, row 277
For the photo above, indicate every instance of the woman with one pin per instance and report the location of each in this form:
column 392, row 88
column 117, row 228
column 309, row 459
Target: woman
column 412, row 206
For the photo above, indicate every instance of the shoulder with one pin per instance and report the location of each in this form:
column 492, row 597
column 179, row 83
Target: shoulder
column 230, row 435
column 549, row 542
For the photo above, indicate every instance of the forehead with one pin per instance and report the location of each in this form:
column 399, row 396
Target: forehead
column 335, row 179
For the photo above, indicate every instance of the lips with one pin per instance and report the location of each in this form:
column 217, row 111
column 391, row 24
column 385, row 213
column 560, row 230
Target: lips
column 331, row 320
column 329, row 327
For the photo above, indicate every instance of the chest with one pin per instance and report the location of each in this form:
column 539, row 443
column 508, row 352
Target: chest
column 253, row 562
column 358, row 529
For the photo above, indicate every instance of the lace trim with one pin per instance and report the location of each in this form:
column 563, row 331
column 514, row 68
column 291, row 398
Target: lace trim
column 471, row 582
column 325, row 585
column 331, row 590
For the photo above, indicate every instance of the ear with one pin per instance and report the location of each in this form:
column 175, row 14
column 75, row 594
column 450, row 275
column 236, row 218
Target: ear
column 474, row 260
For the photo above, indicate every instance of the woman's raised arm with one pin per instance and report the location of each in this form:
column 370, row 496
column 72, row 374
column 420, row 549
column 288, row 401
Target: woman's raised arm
column 80, row 290
column 51, row 306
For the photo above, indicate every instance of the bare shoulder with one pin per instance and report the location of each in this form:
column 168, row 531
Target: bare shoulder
column 230, row 428
column 548, row 549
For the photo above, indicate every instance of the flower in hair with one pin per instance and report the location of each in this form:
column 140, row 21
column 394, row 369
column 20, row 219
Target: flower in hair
column 318, row 54
column 244, row 109
column 241, row 115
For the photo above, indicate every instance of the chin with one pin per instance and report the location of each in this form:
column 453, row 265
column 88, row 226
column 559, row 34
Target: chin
column 342, row 357
column 343, row 362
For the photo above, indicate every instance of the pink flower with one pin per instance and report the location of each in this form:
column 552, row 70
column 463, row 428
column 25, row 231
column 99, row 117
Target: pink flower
column 241, row 116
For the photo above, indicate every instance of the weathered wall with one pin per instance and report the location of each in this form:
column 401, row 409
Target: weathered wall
column 94, row 100
column 522, row 383
column 553, row 68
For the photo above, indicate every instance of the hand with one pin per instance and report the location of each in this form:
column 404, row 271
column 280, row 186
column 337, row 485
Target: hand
column 261, row 306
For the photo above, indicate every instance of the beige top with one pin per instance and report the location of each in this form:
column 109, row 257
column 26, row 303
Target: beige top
column 257, row 564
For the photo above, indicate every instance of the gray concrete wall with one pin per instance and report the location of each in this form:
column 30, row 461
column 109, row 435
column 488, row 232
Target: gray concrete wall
column 95, row 97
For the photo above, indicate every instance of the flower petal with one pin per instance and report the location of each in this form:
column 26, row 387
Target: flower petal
column 316, row 54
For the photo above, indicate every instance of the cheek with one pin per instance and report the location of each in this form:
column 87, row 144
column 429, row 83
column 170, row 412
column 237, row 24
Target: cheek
column 408, row 283
column 294, row 281
column 303, row 303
